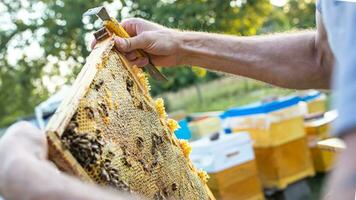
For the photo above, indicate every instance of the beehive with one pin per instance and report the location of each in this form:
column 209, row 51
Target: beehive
column 109, row 130
column 317, row 130
column 317, row 105
column 240, row 182
column 281, row 149
column 204, row 127
column 270, row 124
column 282, row 165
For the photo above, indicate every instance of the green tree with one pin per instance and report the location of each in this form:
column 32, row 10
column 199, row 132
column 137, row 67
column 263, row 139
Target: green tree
column 58, row 30
column 57, row 27
column 295, row 14
column 223, row 16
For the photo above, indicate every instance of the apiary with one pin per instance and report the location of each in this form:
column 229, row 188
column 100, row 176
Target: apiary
column 109, row 130
column 230, row 163
column 319, row 129
column 280, row 145
column 269, row 124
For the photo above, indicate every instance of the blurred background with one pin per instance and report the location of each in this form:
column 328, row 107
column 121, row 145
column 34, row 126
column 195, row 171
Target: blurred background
column 43, row 45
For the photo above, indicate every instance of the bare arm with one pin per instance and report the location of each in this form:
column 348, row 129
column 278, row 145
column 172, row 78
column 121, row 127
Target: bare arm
column 283, row 60
column 296, row 60
column 26, row 174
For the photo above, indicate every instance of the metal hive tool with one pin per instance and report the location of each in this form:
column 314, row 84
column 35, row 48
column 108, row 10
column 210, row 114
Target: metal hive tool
column 109, row 130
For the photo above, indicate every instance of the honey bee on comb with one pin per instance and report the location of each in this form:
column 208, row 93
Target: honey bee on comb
column 130, row 147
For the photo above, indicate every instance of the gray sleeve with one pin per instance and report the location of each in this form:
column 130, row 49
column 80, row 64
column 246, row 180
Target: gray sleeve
column 318, row 5
column 340, row 21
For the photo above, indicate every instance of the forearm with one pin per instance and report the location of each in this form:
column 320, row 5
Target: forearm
column 26, row 177
column 289, row 60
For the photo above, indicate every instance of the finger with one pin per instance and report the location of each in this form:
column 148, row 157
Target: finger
column 93, row 43
column 140, row 62
column 130, row 44
column 130, row 25
column 131, row 55
column 24, row 137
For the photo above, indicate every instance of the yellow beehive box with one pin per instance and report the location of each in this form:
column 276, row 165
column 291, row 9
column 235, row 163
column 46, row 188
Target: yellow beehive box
column 205, row 126
column 284, row 164
column 230, row 176
column 319, row 129
column 247, row 189
column 230, row 162
column 269, row 124
column 315, row 101
column 317, row 105
column 276, row 134
column 323, row 161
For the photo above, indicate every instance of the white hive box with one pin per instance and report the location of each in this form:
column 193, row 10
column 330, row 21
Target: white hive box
column 223, row 153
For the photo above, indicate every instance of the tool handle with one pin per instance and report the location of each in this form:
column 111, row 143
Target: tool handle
column 115, row 27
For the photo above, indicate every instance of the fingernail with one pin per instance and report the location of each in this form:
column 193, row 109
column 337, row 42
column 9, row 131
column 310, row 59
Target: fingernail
column 120, row 42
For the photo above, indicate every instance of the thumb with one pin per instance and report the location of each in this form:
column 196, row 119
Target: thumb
column 24, row 137
column 130, row 44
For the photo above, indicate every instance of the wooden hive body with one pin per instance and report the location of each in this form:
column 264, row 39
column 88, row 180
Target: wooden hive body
column 317, row 130
column 284, row 164
column 109, row 130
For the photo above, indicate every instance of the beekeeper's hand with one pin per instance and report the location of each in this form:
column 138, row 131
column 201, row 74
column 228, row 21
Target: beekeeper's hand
column 161, row 43
column 25, row 172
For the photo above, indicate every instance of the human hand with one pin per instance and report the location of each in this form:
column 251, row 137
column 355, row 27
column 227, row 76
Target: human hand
column 161, row 43
column 25, row 172
column 21, row 147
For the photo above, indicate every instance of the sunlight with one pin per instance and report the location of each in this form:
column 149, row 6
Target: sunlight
column 279, row 3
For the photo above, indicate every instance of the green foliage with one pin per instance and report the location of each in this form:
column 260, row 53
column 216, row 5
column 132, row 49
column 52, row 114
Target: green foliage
column 221, row 94
column 200, row 15
column 59, row 31
column 296, row 14
column 57, row 27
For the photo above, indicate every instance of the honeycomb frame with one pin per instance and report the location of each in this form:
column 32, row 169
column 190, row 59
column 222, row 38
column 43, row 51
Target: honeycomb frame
column 88, row 136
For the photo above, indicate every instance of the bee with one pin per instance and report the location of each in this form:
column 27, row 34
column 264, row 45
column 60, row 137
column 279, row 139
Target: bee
column 125, row 151
column 165, row 192
column 103, row 110
column 89, row 111
column 158, row 196
column 156, row 140
column 129, row 84
column 97, row 86
column 126, row 162
column 121, row 185
column 111, row 154
column 144, row 165
column 174, row 186
column 104, row 175
column 139, row 143
column 154, row 162
column 74, row 117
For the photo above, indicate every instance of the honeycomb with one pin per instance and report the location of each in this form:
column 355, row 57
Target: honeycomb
column 123, row 139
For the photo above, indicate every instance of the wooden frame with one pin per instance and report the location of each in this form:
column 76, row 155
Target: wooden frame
column 57, row 124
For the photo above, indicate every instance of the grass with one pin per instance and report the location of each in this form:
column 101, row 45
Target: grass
column 221, row 94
